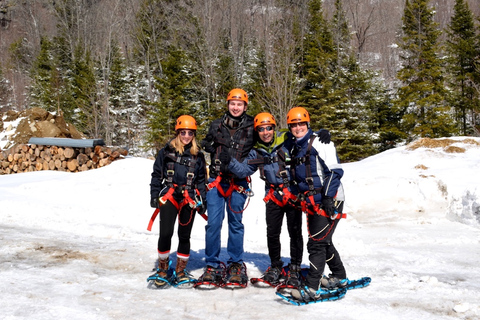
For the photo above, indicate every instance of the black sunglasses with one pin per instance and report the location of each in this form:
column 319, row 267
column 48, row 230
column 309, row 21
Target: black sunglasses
column 268, row 128
column 298, row 124
column 185, row 132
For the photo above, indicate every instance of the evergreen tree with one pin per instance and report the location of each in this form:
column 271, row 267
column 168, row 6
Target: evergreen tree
column 43, row 90
column 174, row 87
column 340, row 95
column 5, row 92
column 422, row 99
column 462, row 53
column 316, row 68
column 121, row 105
column 87, row 117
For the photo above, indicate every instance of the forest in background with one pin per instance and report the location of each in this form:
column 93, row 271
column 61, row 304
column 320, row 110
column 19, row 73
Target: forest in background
column 375, row 73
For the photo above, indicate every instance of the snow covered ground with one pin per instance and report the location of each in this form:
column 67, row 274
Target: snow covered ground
column 75, row 245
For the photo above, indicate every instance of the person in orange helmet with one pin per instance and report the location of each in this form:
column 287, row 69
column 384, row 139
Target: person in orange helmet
column 232, row 134
column 317, row 173
column 177, row 188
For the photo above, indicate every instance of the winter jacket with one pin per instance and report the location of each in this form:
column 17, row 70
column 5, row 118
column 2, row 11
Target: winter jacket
column 237, row 138
column 326, row 170
column 273, row 156
column 168, row 157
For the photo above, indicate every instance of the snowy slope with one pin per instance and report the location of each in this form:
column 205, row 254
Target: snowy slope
column 75, row 245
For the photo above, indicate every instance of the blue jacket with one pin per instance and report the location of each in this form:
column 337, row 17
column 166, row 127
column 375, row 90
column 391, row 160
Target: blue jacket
column 273, row 162
column 326, row 171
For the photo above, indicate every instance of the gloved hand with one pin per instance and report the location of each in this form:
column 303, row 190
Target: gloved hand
column 224, row 157
column 202, row 208
column 208, row 143
column 154, row 203
column 328, row 205
column 324, row 136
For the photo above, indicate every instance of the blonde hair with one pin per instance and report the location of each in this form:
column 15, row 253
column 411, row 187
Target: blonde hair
column 178, row 145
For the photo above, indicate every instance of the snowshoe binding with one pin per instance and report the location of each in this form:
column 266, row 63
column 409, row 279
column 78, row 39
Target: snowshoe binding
column 163, row 277
column 236, row 276
column 294, row 278
column 211, row 278
column 272, row 277
column 331, row 282
column 184, row 280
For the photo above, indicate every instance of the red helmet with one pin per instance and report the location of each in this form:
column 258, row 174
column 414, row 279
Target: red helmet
column 263, row 118
column 186, row 122
column 297, row 114
column 237, row 94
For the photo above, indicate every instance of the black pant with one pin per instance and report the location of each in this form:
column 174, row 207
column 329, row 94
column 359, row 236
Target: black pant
column 321, row 250
column 168, row 216
column 274, row 218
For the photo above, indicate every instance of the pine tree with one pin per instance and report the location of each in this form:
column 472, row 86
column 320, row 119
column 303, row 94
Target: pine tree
column 422, row 99
column 43, row 91
column 462, row 53
column 176, row 99
column 340, row 95
column 316, row 68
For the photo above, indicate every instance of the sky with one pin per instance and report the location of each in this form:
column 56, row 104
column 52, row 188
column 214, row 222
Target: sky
column 76, row 245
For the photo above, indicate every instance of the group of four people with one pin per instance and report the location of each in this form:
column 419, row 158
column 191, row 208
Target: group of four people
column 301, row 173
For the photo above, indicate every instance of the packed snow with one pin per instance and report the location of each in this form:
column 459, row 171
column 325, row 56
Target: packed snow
column 75, row 245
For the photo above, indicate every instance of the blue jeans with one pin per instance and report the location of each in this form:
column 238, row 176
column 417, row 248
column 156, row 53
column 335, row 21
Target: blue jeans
column 216, row 205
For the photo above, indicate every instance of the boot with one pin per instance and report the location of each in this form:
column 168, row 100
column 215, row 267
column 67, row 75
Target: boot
column 162, row 272
column 293, row 277
column 180, row 271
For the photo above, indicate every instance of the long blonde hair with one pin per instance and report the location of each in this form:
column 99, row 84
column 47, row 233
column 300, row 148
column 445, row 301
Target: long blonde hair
column 178, row 145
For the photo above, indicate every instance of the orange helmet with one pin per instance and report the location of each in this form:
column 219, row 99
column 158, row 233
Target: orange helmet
column 297, row 114
column 263, row 118
column 237, row 94
column 186, row 122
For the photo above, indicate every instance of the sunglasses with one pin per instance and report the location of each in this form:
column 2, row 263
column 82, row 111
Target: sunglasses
column 299, row 124
column 190, row 133
column 268, row 128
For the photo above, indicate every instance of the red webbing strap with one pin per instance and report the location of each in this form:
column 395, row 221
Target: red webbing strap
column 152, row 219
column 318, row 210
column 271, row 197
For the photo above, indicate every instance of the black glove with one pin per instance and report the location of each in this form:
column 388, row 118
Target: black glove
column 154, row 203
column 328, row 205
column 208, row 143
column 324, row 136
column 202, row 208
column 224, row 157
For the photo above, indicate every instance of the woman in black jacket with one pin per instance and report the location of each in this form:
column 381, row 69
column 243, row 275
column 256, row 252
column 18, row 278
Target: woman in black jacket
column 177, row 188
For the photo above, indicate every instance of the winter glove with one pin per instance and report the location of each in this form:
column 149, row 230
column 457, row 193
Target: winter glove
column 208, row 144
column 224, row 157
column 324, row 136
column 154, row 203
column 328, row 206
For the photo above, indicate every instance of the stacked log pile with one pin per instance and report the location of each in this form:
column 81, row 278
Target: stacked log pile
column 27, row 158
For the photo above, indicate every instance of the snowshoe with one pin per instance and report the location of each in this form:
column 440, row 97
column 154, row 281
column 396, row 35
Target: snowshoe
column 305, row 295
column 184, row 280
column 211, row 278
column 161, row 279
column 294, row 278
column 272, row 277
column 236, row 276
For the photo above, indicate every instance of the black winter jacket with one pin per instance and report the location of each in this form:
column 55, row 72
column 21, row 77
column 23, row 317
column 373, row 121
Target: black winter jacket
column 238, row 140
column 158, row 184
